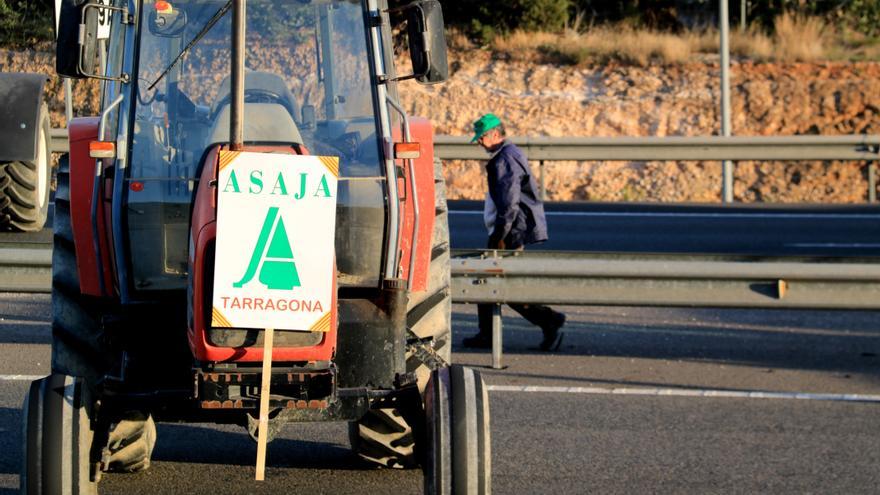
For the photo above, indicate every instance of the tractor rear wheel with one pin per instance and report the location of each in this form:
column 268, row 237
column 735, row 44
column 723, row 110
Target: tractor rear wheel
column 24, row 185
column 57, row 438
column 459, row 456
column 80, row 343
column 383, row 436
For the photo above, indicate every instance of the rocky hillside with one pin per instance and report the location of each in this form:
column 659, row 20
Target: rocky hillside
column 615, row 100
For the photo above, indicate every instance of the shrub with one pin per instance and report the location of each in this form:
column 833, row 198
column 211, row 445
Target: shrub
column 25, row 22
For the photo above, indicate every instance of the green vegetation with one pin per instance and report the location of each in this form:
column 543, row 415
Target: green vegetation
column 595, row 31
column 24, row 23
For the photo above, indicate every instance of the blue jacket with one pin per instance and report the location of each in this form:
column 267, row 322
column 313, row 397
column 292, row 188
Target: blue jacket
column 519, row 217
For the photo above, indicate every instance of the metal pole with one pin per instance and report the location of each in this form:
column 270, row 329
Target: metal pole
column 496, row 337
column 872, row 182
column 68, row 100
column 742, row 15
column 236, row 122
column 541, row 176
column 727, row 167
column 102, row 56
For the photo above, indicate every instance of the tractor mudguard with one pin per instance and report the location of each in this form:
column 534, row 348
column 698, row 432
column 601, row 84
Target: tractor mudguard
column 21, row 95
column 81, row 131
column 422, row 132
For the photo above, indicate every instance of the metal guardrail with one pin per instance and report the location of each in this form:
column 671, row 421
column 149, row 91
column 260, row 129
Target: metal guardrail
column 485, row 276
column 25, row 269
column 858, row 147
column 59, row 140
column 737, row 148
column 547, row 277
column 498, row 277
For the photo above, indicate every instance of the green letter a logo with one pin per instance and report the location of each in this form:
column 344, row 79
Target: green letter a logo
column 278, row 271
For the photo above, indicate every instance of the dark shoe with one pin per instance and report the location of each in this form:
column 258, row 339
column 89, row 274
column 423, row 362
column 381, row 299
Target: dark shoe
column 553, row 336
column 478, row 341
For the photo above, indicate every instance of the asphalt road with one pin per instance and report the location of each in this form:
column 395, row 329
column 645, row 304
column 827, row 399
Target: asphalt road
column 556, row 425
column 777, row 230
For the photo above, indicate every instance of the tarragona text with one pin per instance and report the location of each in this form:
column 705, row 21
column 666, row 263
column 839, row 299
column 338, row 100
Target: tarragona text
column 269, row 304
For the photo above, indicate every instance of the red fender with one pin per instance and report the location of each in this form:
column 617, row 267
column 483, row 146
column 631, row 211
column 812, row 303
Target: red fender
column 421, row 132
column 82, row 131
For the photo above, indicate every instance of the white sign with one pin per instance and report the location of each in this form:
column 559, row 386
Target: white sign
column 104, row 17
column 276, row 223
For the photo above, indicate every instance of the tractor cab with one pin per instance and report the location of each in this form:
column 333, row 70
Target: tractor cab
column 319, row 77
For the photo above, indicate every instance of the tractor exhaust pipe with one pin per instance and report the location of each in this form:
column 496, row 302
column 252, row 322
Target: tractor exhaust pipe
column 236, row 118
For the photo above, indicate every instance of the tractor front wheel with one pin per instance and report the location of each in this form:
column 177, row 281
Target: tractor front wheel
column 459, row 457
column 58, row 438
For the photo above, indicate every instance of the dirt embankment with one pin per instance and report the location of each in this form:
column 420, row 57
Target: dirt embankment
column 614, row 100
column 767, row 99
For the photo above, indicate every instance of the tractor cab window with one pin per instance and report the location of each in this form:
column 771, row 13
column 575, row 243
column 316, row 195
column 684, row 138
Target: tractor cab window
column 307, row 82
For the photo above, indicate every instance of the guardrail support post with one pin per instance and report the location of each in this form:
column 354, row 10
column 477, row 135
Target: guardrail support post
column 68, row 100
column 496, row 337
column 872, row 182
column 727, row 167
column 541, row 176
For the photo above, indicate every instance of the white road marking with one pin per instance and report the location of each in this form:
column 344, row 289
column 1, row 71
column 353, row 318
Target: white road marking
column 20, row 378
column 665, row 392
column 835, row 245
column 678, row 392
column 803, row 216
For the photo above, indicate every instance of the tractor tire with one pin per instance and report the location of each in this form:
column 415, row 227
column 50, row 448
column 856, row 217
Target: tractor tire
column 24, row 185
column 80, row 344
column 383, row 436
column 131, row 443
column 57, row 438
column 458, row 433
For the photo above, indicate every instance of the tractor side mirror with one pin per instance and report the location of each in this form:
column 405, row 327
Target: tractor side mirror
column 427, row 41
column 67, row 49
column 80, row 28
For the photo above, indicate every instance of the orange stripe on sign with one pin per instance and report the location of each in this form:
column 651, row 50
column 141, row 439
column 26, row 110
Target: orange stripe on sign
column 323, row 323
column 218, row 320
column 332, row 164
column 226, row 157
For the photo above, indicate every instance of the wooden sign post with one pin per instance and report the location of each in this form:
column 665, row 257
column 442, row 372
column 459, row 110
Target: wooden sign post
column 263, row 424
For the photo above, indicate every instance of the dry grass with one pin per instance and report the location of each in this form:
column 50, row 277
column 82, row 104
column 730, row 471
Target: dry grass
column 753, row 44
column 796, row 39
column 599, row 44
column 458, row 40
column 799, row 38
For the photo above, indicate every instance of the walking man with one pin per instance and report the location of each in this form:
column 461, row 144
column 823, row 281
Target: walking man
column 514, row 216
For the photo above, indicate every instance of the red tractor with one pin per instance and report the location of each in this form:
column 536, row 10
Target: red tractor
column 135, row 332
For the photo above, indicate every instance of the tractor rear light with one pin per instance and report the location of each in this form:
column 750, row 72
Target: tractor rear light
column 136, row 186
column 163, row 7
column 408, row 151
column 102, row 149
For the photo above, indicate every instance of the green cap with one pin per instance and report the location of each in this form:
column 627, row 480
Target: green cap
column 484, row 124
